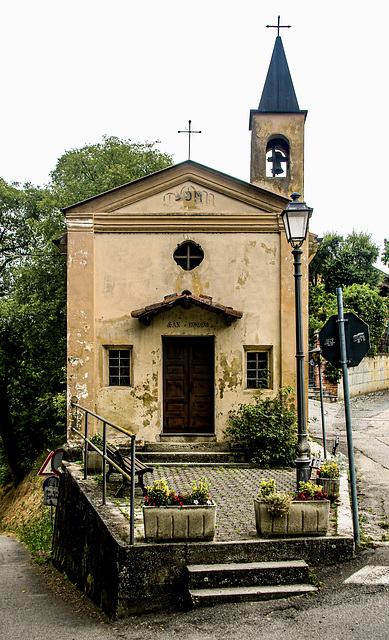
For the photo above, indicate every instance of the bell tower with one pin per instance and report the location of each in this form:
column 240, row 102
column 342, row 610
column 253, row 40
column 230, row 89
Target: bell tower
column 277, row 139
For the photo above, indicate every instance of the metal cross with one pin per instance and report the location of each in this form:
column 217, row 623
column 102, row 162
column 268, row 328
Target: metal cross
column 278, row 26
column 189, row 131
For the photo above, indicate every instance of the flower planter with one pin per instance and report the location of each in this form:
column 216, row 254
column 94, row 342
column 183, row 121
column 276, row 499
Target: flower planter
column 330, row 487
column 188, row 522
column 95, row 462
column 305, row 518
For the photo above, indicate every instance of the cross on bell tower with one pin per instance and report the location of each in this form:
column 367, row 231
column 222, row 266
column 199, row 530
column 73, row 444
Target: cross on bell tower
column 278, row 26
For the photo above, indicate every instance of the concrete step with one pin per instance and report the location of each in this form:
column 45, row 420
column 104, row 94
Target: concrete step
column 244, row 574
column 210, row 584
column 314, row 394
column 209, row 597
column 196, row 457
column 186, row 446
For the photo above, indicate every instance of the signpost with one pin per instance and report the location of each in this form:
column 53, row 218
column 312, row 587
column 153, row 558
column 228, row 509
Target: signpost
column 52, row 464
column 344, row 341
column 357, row 339
column 50, row 489
column 51, row 470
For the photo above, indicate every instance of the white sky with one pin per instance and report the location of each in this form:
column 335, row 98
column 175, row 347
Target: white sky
column 74, row 71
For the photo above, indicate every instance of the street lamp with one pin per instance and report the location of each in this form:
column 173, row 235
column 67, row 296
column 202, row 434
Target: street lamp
column 295, row 218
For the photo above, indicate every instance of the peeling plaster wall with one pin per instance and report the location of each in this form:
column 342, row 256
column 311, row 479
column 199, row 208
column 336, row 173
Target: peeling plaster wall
column 125, row 279
column 81, row 322
column 115, row 266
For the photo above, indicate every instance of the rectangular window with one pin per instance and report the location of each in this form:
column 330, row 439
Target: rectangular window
column 257, row 370
column 119, row 367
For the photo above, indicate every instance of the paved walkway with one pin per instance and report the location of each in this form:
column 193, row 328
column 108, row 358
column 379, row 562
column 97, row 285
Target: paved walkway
column 233, row 489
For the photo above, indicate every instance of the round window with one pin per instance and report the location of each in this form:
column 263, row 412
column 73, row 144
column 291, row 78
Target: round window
column 188, row 255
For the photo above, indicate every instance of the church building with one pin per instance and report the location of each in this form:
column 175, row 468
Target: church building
column 181, row 288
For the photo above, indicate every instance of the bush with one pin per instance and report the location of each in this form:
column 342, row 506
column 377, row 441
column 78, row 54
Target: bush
column 267, row 428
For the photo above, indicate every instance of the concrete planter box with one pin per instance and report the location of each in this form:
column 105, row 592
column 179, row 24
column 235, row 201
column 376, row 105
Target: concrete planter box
column 95, row 462
column 189, row 522
column 330, row 487
column 305, row 518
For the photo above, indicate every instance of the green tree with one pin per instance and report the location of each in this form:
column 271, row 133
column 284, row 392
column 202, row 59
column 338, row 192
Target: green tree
column 342, row 262
column 366, row 303
column 95, row 168
column 32, row 329
column 385, row 253
column 33, row 291
column 322, row 305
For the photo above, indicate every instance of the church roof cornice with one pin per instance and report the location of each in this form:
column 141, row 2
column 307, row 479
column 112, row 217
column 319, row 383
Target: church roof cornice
column 141, row 188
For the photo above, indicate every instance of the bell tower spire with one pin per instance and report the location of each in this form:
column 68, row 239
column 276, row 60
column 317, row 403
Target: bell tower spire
column 277, row 141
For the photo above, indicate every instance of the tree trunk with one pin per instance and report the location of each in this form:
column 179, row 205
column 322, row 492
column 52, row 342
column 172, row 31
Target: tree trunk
column 7, row 434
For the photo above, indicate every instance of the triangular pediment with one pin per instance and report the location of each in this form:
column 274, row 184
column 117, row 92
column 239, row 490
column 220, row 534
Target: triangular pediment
column 188, row 191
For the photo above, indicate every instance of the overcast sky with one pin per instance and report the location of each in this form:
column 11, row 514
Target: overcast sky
column 74, row 71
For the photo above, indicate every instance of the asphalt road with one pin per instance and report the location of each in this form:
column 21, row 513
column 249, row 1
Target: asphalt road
column 370, row 428
column 352, row 604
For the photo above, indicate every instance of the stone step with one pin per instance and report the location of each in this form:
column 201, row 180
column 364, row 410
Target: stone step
column 209, row 597
column 196, row 457
column 188, row 438
column 186, row 446
column 247, row 574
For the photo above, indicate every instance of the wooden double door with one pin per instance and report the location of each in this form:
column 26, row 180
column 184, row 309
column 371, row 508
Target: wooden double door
column 188, row 385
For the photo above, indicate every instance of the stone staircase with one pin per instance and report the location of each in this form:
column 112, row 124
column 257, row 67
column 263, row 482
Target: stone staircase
column 211, row 584
column 314, row 394
column 197, row 451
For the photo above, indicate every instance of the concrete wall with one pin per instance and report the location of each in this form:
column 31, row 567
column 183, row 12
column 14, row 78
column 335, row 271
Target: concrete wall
column 371, row 375
column 91, row 544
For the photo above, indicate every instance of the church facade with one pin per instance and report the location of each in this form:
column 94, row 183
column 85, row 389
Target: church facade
column 181, row 288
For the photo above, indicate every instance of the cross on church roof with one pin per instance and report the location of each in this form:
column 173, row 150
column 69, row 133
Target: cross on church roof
column 278, row 26
column 189, row 131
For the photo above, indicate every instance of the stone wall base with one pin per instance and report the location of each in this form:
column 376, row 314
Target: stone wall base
column 91, row 544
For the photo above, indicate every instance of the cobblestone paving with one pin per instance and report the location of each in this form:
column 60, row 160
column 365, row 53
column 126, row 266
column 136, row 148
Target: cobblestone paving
column 232, row 488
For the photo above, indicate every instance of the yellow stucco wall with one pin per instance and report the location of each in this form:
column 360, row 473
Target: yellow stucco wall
column 134, row 271
column 120, row 258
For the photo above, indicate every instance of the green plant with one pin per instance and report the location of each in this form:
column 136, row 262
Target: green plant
column 199, row 492
column 266, row 428
column 333, row 374
column 329, row 469
column 266, row 488
column 310, row 491
column 278, row 501
column 36, row 532
column 159, row 494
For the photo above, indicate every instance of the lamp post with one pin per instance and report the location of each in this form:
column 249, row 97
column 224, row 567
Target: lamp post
column 295, row 218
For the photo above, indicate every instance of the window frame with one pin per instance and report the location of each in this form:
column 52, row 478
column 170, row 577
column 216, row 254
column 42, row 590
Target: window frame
column 266, row 350
column 107, row 365
column 188, row 257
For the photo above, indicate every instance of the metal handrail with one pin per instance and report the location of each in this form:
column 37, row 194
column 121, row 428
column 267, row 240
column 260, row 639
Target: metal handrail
column 103, row 454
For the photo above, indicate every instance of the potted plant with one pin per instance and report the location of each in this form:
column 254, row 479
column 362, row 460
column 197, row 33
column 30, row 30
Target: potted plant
column 282, row 514
column 328, row 475
column 168, row 516
column 95, row 461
